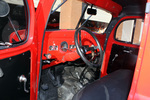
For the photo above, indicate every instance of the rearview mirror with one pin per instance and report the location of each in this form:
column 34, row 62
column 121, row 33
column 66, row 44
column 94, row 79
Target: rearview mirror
column 91, row 11
column 4, row 8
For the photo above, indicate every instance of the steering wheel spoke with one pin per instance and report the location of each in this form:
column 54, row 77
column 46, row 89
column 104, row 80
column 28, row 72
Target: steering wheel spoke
column 80, row 42
column 93, row 48
column 83, row 49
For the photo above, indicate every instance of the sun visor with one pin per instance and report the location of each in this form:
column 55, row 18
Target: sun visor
column 108, row 5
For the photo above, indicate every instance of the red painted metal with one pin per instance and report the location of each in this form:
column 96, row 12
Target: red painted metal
column 55, row 38
column 42, row 13
column 54, row 25
column 112, row 41
column 108, row 5
column 140, row 86
column 141, row 83
column 30, row 45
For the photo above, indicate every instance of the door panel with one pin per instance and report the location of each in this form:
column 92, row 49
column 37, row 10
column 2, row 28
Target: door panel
column 128, row 31
column 11, row 69
column 122, row 57
column 114, row 39
column 20, row 58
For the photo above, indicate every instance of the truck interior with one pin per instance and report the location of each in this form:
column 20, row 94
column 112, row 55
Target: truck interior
column 80, row 64
column 92, row 61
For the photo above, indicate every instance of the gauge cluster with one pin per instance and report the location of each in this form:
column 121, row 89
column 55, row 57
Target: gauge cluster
column 51, row 48
column 63, row 46
column 72, row 46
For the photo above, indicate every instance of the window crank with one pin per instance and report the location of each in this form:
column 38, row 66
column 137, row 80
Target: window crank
column 22, row 78
column 116, row 55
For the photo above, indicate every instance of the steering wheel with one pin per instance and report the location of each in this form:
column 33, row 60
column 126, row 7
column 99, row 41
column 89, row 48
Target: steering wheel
column 83, row 49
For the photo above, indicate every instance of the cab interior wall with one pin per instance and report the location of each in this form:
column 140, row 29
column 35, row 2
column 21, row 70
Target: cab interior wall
column 136, row 12
column 55, row 75
column 10, row 70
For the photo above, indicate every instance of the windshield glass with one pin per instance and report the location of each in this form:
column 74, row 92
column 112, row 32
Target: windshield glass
column 68, row 16
column 13, row 26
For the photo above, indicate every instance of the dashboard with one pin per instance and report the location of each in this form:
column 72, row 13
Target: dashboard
column 59, row 46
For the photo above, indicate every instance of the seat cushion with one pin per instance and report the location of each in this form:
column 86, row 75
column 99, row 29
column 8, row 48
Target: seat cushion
column 115, row 86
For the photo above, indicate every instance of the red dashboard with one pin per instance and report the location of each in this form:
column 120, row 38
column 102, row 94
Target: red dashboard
column 59, row 46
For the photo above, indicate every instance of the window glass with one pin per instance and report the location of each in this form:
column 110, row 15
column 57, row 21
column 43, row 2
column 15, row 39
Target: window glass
column 67, row 17
column 13, row 26
column 138, row 31
column 99, row 22
column 130, row 31
column 54, row 20
column 36, row 2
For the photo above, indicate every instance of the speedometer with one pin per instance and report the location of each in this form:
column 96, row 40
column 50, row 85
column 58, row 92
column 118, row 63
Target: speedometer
column 64, row 46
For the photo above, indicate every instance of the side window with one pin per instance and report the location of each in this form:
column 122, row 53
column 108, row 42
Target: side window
column 13, row 26
column 130, row 31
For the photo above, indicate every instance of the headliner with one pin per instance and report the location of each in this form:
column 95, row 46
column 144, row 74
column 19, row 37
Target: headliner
column 125, row 3
column 116, row 6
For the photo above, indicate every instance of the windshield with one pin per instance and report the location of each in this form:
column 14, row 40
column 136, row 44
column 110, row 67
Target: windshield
column 72, row 14
column 13, row 25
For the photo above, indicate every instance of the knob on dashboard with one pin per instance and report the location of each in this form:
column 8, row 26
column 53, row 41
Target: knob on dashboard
column 48, row 56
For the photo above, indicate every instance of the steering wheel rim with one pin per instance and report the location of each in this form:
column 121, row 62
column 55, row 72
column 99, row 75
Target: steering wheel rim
column 80, row 51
